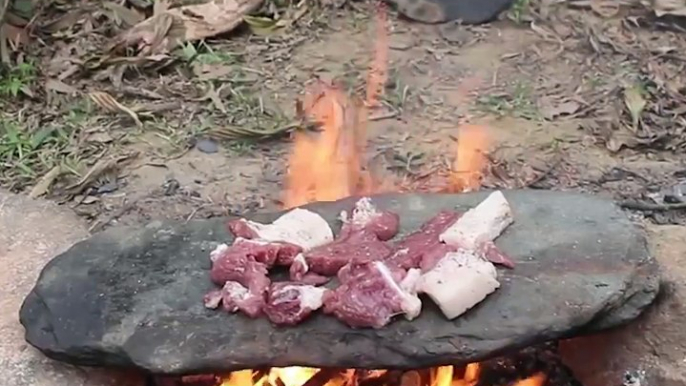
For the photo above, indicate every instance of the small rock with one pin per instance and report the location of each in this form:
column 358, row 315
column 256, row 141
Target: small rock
column 207, row 146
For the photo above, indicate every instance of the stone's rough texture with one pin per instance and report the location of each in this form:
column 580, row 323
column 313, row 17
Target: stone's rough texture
column 134, row 296
column 31, row 233
column 653, row 348
column 440, row 11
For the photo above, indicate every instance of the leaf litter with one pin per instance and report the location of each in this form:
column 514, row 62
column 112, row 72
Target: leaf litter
column 171, row 52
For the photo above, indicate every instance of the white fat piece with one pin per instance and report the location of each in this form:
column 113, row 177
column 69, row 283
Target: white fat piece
column 458, row 282
column 364, row 212
column 310, row 296
column 483, row 223
column 411, row 305
column 235, row 290
column 300, row 259
column 301, row 227
column 218, row 252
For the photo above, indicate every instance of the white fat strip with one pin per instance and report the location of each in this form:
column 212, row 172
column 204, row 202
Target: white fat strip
column 301, row 227
column 310, row 296
column 364, row 212
column 483, row 223
column 411, row 305
column 235, row 290
column 218, row 251
column 300, row 258
column 459, row 281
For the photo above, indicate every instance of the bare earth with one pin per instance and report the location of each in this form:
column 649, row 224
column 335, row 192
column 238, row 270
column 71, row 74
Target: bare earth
column 556, row 88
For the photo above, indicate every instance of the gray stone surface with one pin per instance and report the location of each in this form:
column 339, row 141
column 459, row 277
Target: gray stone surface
column 31, row 233
column 132, row 297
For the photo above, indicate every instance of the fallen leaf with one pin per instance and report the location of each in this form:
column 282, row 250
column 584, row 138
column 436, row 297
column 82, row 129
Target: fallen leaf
column 45, row 182
column 106, row 101
column 122, row 14
column 635, row 103
column 666, row 7
column 261, row 25
column 97, row 170
column 60, row 87
column 186, row 23
column 551, row 109
column 606, row 9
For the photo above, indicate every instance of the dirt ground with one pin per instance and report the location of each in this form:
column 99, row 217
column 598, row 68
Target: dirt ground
column 572, row 100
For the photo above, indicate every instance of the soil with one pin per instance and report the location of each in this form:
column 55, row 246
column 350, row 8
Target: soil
column 549, row 90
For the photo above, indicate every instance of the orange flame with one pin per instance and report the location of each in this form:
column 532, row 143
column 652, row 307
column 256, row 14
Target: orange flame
column 299, row 376
column 470, row 160
column 328, row 166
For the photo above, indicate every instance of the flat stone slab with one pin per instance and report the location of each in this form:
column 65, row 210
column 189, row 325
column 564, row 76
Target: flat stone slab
column 132, row 297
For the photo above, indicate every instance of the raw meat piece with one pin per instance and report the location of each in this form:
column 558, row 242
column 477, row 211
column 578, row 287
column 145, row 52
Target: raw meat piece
column 234, row 296
column 269, row 253
column 213, row 298
column 300, row 227
column 299, row 272
column 290, row 303
column 370, row 295
column 480, row 225
column 458, row 282
column 493, row 254
column 358, row 246
column 237, row 265
column 410, row 251
column 366, row 216
column 434, row 254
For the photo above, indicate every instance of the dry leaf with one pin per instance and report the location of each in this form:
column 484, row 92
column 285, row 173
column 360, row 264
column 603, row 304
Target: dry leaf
column 43, row 185
column 59, row 86
column 106, row 101
column 604, row 8
column 122, row 14
column 97, row 170
column 633, row 99
column 186, row 23
column 551, row 109
column 666, row 7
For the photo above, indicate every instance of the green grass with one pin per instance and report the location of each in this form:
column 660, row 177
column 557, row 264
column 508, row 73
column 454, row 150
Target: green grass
column 518, row 103
column 25, row 155
column 518, row 10
column 14, row 79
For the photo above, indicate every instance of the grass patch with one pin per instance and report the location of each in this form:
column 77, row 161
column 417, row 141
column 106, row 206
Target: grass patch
column 517, row 103
column 14, row 79
column 25, row 156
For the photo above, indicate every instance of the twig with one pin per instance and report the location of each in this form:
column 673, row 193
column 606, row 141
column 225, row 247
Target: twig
column 99, row 225
column 643, row 206
column 380, row 117
column 544, row 174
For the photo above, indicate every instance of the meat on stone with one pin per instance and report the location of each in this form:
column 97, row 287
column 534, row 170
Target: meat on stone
column 366, row 216
column 243, row 279
column 300, row 272
column 233, row 264
column 357, row 246
column 291, row 303
column 423, row 248
column 458, row 282
column 477, row 228
column 372, row 293
column 234, row 296
column 300, row 227
column 268, row 253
